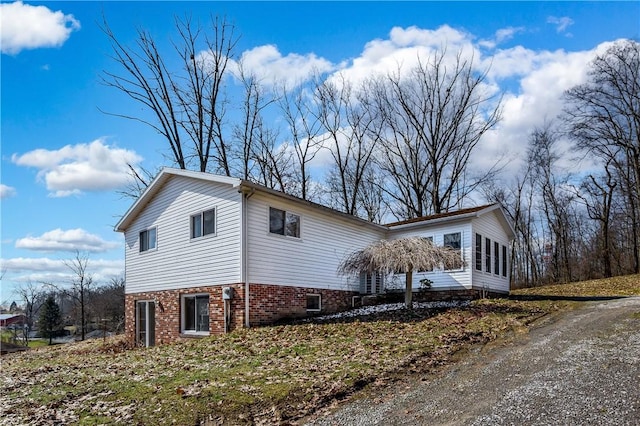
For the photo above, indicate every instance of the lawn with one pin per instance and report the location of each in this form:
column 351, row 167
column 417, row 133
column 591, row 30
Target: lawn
column 267, row 375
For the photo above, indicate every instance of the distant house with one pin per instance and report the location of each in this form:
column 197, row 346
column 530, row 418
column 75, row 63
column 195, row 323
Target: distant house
column 207, row 253
column 7, row 320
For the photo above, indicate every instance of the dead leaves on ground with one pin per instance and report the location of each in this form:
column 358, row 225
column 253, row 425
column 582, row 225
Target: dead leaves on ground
column 269, row 375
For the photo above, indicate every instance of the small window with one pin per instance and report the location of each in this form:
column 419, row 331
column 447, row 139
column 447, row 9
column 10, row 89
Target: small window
column 371, row 283
column 203, row 223
column 148, row 239
column 478, row 252
column 487, row 254
column 504, row 261
column 284, row 223
column 496, row 258
column 314, row 303
column 195, row 314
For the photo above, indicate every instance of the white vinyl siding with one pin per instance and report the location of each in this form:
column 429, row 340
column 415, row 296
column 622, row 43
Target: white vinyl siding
column 459, row 279
column 179, row 261
column 311, row 260
column 489, row 227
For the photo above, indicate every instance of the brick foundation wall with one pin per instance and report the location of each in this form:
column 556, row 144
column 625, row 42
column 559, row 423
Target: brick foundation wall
column 268, row 304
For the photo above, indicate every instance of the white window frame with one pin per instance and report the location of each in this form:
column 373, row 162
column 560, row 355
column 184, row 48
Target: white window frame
column 201, row 215
column 479, row 258
column 319, row 296
column 505, row 261
column 183, row 312
column 287, row 214
column 146, row 233
column 461, row 249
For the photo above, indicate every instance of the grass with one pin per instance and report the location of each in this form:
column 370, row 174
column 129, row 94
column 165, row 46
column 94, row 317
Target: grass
column 628, row 285
column 269, row 375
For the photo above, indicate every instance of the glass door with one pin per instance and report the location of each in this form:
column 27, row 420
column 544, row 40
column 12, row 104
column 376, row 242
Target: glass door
column 146, row 322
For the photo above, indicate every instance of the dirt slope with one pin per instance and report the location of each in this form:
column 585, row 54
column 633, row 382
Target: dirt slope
column 580, row 368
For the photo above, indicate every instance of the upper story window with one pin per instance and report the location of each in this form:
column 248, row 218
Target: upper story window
column 203, row 223
column 284, row 223
column 148, row 239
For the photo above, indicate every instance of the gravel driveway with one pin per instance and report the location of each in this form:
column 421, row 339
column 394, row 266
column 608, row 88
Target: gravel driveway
column 578, row 368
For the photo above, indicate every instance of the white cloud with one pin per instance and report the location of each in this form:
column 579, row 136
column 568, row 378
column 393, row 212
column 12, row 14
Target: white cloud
column 501, row 36
column 6, row 191
column 271, row 68
column 83, row 167
column 44, row 269
column 69, row 240
column 23, row 26
column 405, row 47
column 561, row 23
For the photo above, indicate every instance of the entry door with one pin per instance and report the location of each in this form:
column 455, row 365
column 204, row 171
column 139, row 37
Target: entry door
column 146, row 323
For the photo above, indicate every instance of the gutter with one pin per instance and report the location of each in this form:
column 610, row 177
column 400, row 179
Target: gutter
column 246, row 194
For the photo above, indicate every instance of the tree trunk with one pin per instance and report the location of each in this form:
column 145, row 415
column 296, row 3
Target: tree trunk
column 408, row 293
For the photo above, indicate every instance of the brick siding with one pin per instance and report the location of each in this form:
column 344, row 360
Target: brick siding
column 268, row 304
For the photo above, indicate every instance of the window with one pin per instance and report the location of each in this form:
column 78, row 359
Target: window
column 478, row 252
column 371, row 283
column 487, row 255
column 203, row 223
column 504, row 261
column 195, row 314
column 453, row 240
column 284, row 223
column 148, row 239
column 314, row 302
column 496, row 258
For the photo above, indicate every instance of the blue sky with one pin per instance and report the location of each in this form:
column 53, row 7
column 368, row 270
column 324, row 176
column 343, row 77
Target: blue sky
column 62, row 160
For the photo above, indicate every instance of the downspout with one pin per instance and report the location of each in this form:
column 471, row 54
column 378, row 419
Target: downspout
column 245, row 251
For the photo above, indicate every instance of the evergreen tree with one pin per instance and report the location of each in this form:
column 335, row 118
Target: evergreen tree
column 50, row 318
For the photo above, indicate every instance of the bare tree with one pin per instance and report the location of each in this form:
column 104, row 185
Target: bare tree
column 187, row 108
column 79, row 290
column 33, row 296
column 433, row 119
column 108, row 303
column 348, row 123
column 304, row 129
column 603, row 116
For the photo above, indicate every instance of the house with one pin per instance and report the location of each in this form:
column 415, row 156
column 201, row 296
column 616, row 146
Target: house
column 16, row 320
column 206, row 253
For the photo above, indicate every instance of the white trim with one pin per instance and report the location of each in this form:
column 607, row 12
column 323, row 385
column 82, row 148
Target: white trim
column 183, row 311
column 319, row 296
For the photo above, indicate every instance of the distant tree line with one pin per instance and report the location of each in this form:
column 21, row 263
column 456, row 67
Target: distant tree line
column 80, row 303
column 400, row 144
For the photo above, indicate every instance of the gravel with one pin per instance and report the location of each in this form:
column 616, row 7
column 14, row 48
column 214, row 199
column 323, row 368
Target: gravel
column 578, row 368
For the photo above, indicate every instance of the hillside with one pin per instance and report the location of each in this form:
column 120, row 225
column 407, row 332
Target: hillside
column 268, row 375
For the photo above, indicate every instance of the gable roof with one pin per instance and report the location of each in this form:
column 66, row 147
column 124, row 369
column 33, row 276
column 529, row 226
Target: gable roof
column 461, row 214
column 243, row 185
column 166, row 173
